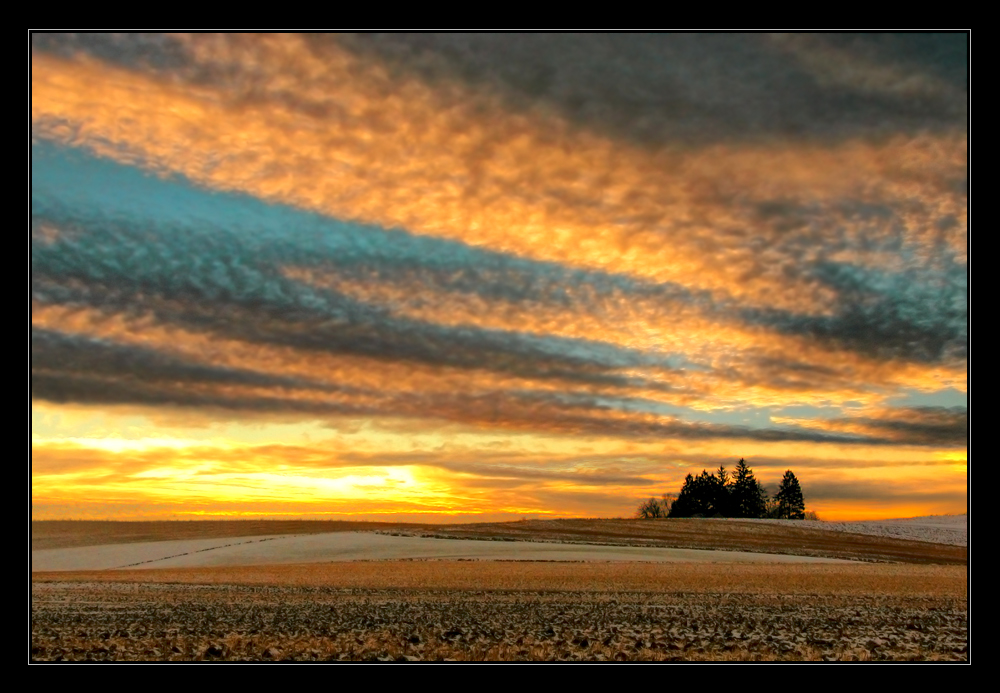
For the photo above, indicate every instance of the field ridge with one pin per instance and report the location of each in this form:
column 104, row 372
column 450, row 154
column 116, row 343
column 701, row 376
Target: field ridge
column 703, row 534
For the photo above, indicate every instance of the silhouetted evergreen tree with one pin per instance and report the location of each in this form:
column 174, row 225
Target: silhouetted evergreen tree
column 705, row 495
column 789, row 499
column 748, row 497
column 723, row 490
column 709, row 494
column 685, row 505
column 736, row 495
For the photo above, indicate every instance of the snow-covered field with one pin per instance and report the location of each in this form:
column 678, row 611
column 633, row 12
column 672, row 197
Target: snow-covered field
column 354, row 546
column 937, row 529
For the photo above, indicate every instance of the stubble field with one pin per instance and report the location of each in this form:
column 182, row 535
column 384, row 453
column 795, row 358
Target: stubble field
column 510, row 610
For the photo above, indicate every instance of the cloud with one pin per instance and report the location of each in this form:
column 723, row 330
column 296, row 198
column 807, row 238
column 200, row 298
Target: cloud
column 543, row 412
column 208, row 277
column 658, row 88
column 326, row 129
column 69, row 355
column 937, row 426
column 910, row 314
column 172, row 296
column 649, row 87
column 886, row 492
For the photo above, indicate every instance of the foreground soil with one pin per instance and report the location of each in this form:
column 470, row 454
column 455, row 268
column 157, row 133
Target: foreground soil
column 687, row 534
column 500, row 611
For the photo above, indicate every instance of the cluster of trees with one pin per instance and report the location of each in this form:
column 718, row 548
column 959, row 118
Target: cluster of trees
column 729, row 495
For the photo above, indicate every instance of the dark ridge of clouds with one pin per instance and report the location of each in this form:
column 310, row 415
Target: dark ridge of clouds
column 900, row 296
column 943, row 54
column 899, row 314
column 526, row 475
column 884, row 490
column 924, row 425
column 673, row 88
column 55, row 352
column 789, row 375
column 576, row 414
column 337, row 329
column 135, row 50
column 557, row 413
column 676, row 89
column 62, row 388
column 909, row 315
column 944, row 426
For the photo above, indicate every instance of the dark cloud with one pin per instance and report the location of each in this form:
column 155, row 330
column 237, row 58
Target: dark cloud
column 663, row 88
column 911, row 315
column 559, row 413
column 84, row 389
column 696, row 88
column 68, row 355
column 138, row 50
column 943, row 54
column 885, row 492
column 934, row 426
column 945, row 426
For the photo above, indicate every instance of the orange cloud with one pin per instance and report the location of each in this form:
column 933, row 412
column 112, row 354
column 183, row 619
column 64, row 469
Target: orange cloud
column 351, row 141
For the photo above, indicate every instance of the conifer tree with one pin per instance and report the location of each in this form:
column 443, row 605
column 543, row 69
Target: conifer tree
column 685, row 505
column 723, row 492
column 747, row 497
column 791, row 505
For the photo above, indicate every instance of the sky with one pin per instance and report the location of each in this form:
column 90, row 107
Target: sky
column 472, row 277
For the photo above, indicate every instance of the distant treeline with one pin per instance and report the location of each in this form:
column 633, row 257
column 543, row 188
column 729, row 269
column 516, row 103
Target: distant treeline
column 729, row 495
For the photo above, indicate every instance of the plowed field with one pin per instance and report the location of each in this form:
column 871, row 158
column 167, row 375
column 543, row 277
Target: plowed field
column 890, row 604
column 441, row 610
